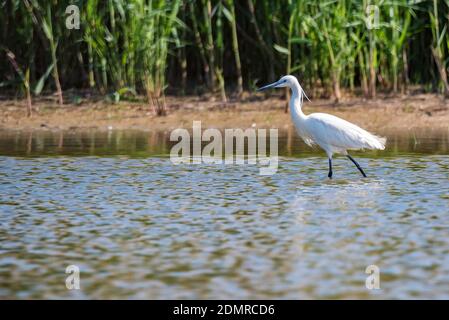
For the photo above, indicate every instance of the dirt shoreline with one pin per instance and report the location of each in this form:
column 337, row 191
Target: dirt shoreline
column 385, row 114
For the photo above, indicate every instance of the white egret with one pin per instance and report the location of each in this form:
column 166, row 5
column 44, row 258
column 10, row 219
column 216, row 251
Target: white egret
column 332, row 134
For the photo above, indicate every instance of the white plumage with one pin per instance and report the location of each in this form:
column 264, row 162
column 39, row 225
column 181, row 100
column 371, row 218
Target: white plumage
column 332, row 134
column 338, row 135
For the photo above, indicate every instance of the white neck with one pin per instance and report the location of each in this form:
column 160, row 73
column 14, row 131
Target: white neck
column 296, row 102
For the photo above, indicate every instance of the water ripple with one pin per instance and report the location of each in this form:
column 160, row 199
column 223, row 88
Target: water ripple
column 145, row 228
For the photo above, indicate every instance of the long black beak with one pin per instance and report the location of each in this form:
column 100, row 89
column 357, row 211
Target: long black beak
column 268, row 86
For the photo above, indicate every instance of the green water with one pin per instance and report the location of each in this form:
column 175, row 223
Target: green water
column 139, row 226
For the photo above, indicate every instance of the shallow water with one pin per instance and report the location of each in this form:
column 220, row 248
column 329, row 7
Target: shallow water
column 138, row 226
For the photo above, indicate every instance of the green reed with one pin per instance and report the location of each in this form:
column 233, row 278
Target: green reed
column 150, row 47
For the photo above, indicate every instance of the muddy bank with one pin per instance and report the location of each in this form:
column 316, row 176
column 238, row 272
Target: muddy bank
column 385, row 114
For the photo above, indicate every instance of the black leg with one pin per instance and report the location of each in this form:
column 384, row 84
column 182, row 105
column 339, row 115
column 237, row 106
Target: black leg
column 357, row 165
column 330, row 169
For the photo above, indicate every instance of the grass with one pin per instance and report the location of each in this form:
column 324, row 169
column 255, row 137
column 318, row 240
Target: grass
column 151, row 47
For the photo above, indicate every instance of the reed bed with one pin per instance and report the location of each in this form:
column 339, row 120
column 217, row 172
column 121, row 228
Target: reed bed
column 125, row 48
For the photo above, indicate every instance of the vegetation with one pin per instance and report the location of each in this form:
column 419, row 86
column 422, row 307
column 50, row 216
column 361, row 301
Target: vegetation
column 127, row 47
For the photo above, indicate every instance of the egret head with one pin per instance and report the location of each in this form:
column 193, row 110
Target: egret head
column 286, row 81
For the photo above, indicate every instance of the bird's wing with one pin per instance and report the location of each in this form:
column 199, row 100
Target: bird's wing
column 305, row 136
column 340, row 134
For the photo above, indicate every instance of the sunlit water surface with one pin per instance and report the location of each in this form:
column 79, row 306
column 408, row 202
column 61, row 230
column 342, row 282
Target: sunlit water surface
column 138, row 226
